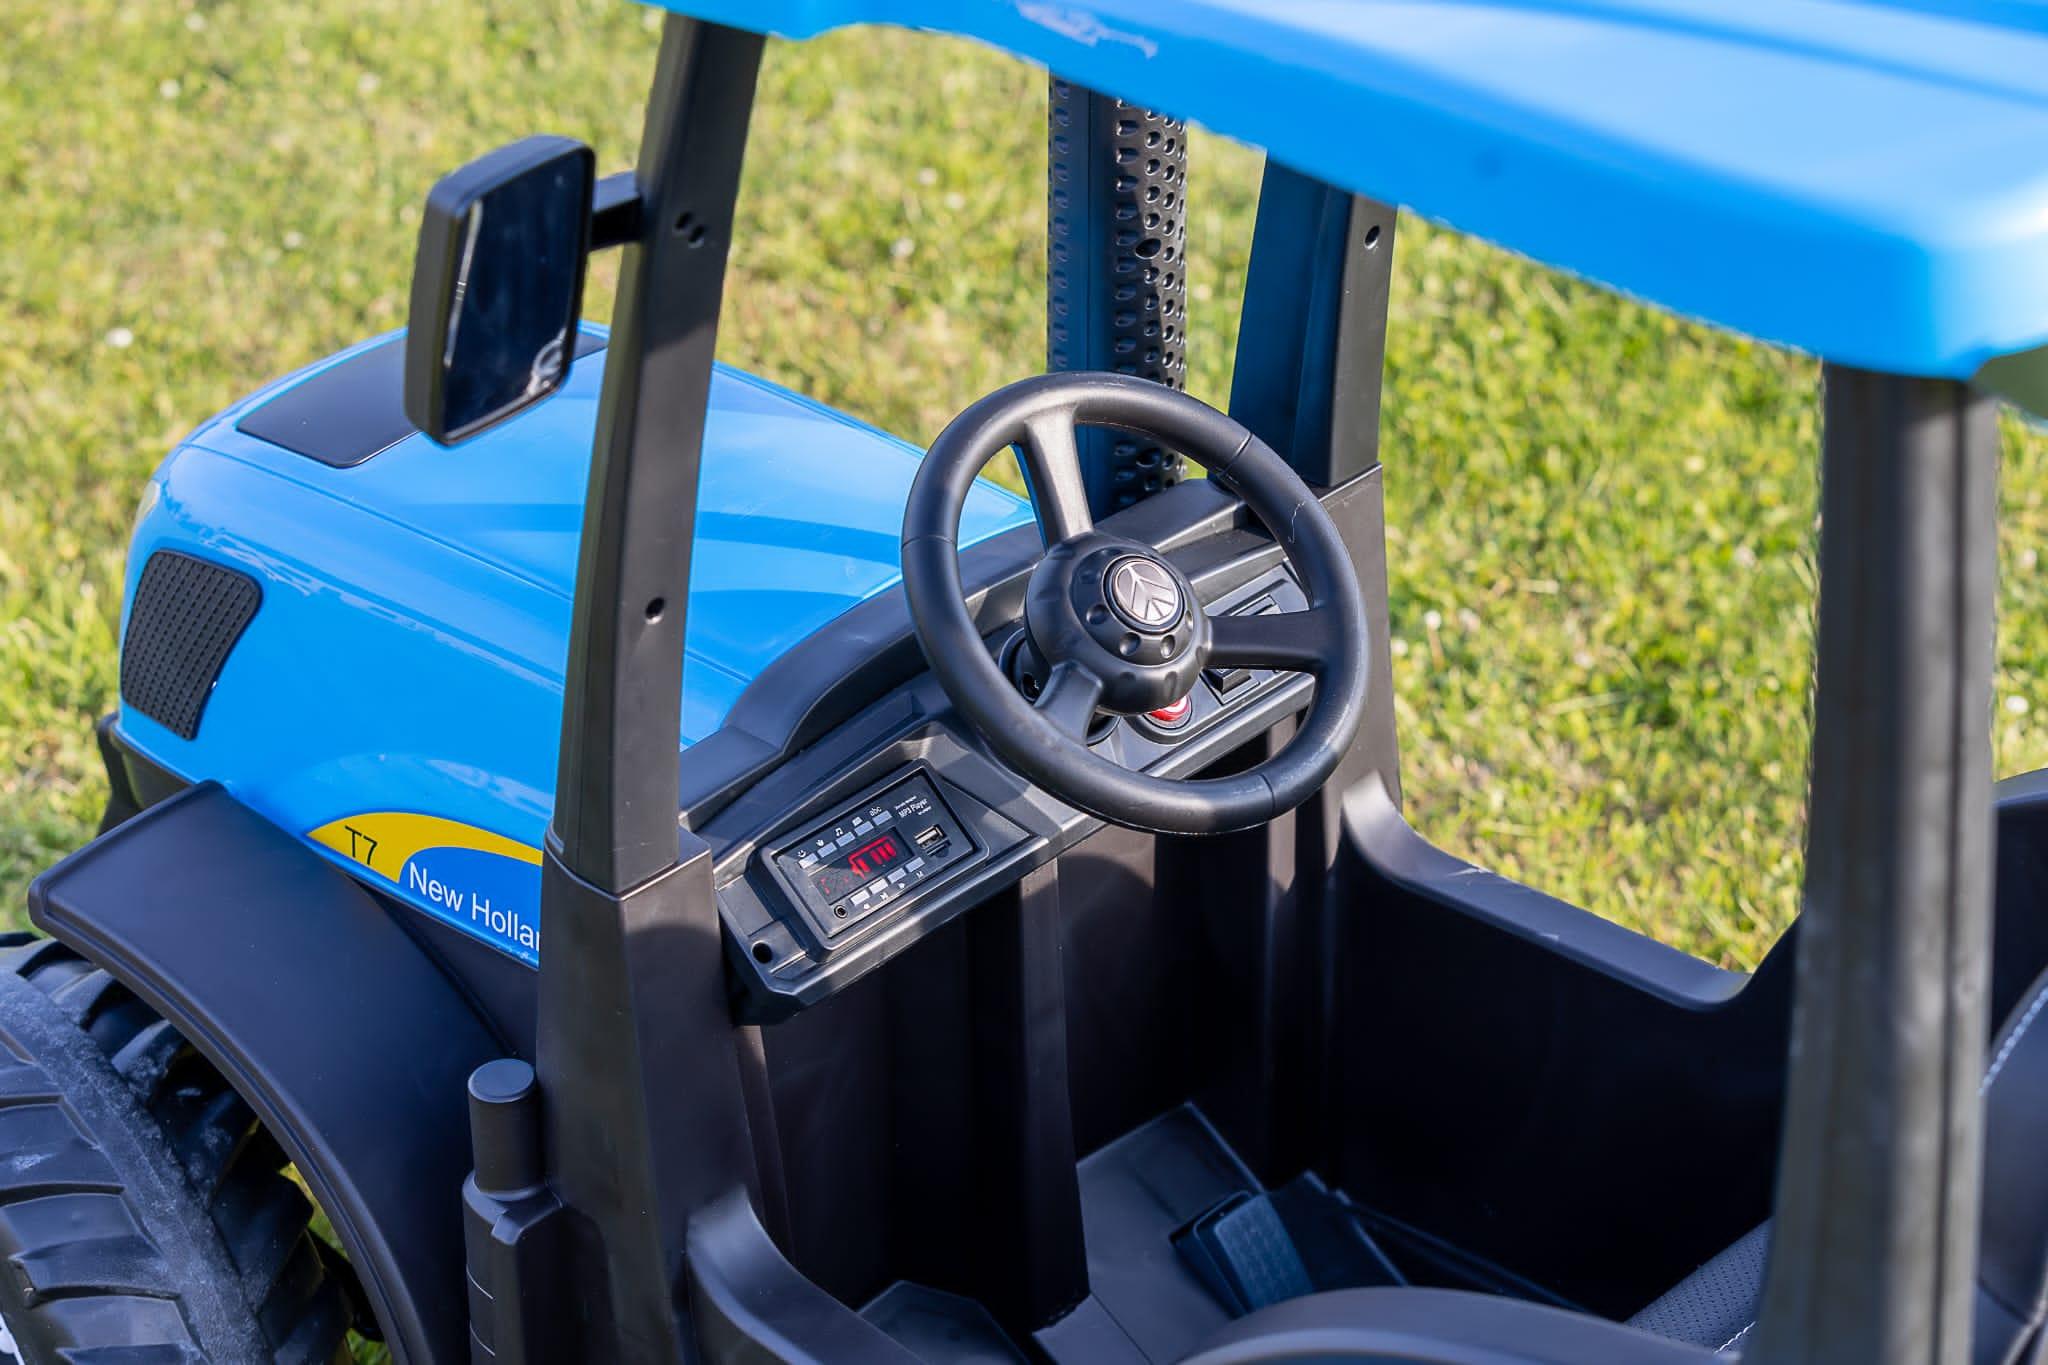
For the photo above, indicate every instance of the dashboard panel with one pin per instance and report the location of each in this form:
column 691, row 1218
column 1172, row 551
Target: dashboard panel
column 903, row 819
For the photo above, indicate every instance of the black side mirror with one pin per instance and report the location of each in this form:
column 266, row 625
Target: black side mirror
column 497, row 286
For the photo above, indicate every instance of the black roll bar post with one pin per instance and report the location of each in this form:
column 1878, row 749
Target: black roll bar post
column 1874, row 1251
column 644, row 1121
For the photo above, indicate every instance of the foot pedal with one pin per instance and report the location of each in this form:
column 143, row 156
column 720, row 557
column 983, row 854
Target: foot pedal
column 1242, row 1252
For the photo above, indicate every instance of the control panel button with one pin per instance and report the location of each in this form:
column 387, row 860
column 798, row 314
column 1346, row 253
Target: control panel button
column 1173, row 715
column 1225, row 681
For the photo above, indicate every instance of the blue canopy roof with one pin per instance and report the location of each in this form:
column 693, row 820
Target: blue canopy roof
column 1866, row 179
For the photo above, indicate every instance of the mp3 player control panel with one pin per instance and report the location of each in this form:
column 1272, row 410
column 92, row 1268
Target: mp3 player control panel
column 873, row 853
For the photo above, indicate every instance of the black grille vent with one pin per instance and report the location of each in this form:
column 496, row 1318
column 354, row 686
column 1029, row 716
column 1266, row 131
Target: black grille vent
column 186, row 617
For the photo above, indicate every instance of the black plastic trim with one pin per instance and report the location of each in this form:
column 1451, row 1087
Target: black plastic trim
column 1433, row 1327
column 353, row 411
column 615, row 211
column 1542, row 1014
column 750, row 1304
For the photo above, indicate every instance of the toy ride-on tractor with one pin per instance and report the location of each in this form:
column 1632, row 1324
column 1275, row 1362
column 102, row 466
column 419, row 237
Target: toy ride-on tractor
column 679, row 874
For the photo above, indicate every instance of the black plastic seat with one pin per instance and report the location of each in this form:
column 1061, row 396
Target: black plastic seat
column 1715, row 1306
column 1711, row 1311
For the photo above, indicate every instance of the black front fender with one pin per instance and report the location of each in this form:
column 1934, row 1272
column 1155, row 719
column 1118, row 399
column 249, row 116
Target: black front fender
column 350, row 1042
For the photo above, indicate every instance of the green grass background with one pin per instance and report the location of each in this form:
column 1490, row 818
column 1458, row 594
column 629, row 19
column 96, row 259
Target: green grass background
column 1602, row 518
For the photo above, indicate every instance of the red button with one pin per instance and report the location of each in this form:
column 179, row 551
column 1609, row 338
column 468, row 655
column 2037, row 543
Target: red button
column 1174, row 715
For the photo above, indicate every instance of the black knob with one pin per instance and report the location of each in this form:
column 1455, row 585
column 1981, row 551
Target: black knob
column 504, row 1126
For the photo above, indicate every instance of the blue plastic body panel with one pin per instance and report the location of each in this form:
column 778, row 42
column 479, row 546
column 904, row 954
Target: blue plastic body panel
column 1864, row 179
column 397, row 698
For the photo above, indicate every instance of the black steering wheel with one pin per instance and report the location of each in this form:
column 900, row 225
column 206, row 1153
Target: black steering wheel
column 1119, row 627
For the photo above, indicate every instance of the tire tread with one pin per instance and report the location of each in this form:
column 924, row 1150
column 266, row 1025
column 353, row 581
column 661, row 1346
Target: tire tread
column 70, row 1237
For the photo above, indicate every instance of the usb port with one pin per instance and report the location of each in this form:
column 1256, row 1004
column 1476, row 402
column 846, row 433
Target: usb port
column 930, row 837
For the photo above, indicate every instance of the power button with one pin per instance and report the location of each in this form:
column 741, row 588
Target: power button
column 1174, row 716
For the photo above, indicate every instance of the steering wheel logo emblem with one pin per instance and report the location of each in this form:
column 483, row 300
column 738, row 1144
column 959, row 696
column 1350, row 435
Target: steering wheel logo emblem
column 1144, row 593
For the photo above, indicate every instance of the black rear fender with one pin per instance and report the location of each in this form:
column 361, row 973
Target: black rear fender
column 340, row 1030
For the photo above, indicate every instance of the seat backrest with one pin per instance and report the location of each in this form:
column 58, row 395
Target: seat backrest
column 2012, row 1262
column 1715, row 1306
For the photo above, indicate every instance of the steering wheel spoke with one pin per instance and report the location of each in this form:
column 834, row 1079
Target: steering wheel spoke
column 1052, row 466
column 1293, row 641
column 1069, row 699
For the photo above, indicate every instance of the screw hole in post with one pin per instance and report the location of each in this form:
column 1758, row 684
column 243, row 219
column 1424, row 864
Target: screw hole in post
column 656, row 608
column 1372, row 236
column 689, row 229
column 763, row 953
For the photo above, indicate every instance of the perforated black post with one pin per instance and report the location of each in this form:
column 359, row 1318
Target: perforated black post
column 1116, row 269
column 1874, row 1247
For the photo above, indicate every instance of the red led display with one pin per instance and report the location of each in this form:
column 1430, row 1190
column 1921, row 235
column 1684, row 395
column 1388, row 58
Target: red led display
column 848, row 870
column 874, row 856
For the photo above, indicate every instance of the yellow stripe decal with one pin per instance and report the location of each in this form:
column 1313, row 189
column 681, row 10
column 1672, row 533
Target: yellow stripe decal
column 384, row 841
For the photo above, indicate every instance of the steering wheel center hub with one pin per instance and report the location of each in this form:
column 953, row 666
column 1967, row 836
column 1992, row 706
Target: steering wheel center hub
column 1128, row 616
column 1143, row 592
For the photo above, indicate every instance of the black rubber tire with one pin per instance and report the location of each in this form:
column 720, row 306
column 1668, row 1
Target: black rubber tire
column 145, row 1215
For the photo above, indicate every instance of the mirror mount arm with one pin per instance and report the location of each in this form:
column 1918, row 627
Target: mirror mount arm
column 615, row 211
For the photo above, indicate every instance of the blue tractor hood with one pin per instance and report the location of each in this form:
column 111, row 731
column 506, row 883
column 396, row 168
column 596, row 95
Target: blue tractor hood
column 395, row 697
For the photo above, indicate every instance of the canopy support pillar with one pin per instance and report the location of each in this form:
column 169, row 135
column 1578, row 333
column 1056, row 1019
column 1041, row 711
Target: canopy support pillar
column 1312, row 337
column 1874, row 1253
column 642, row 1096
